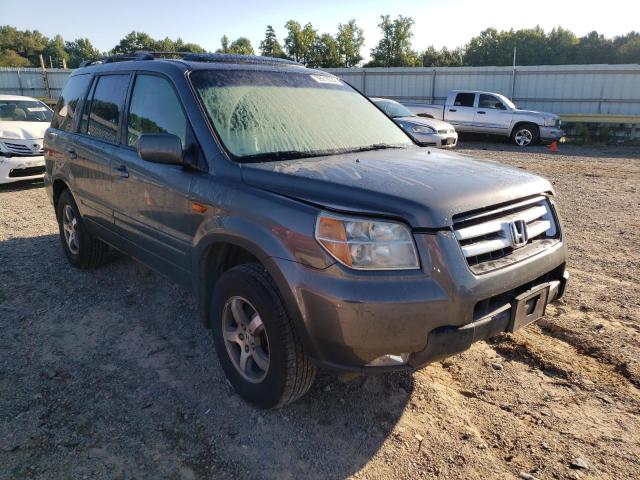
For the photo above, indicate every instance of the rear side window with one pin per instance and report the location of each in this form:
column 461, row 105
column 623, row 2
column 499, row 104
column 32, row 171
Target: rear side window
column 155, row 108
column 105, row 107
column 68, row 103
column 465, row 99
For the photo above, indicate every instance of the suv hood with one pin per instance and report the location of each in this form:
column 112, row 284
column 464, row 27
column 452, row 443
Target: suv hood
column 421, row 186
column 22, row 130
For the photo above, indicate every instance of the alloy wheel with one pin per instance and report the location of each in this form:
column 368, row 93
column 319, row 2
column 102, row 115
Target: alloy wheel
column 245, row 339
column 70, row 228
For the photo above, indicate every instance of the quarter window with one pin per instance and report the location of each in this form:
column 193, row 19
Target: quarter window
column 106, row 105
column 155, row 108
column 69, row 101
column 465, row 99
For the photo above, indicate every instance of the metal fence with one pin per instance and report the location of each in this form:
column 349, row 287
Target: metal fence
column 33, row 82
column 562, row 89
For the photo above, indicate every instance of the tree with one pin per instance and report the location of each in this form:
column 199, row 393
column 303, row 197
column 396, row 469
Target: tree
column 270, row 47
column 350, row 39
column 241, row 46
column 28, row 43
column 133, row 42
column 54, row 53
column 300, row 42
column 628, row 48
column 326, row 53
column 79, row 50
column 224, row 42
column 10, row 58
column 442, row 58
column 394, row 48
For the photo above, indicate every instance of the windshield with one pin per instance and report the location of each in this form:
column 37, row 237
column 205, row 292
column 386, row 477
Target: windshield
column 24, row 111
column 264, row 114
column 394, row 109
column 506, row 101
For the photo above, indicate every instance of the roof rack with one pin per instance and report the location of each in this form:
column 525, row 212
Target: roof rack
column 191, row 57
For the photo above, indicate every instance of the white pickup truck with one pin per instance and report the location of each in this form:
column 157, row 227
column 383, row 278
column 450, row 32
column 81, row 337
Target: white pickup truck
column 487, row 112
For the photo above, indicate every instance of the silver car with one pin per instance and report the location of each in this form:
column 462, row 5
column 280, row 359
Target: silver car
column 425, row 131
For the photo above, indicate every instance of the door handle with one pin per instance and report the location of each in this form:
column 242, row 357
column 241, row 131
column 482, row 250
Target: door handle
column 482, row 113
column 453, row 110
column 72, row 153
column 122, row 171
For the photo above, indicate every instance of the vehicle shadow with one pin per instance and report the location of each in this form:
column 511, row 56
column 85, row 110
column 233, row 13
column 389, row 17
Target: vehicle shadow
column 121, row 348
column 21, row 185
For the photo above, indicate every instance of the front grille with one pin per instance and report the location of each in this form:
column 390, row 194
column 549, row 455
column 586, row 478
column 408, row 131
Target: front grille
column 22, row 150
column 26, row 172
column 501, row 235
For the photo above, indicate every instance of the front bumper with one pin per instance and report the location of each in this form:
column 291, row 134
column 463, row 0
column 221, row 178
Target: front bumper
column 440, row 140
column 348, row 319
column 15, row 169
column 551, row 134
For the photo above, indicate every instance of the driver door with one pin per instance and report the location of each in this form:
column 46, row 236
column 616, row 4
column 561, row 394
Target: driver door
column 492, row 116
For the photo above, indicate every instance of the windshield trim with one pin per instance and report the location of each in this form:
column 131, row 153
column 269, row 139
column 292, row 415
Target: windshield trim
column 240, row 159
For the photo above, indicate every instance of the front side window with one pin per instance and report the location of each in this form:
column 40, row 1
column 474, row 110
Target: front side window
column 106, row 104
column 275, row 114
column 155, row 108
column 489, row 101
column 67, row 105
column 465, row 99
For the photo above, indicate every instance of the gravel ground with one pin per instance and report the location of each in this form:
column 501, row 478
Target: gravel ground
column 107, row 374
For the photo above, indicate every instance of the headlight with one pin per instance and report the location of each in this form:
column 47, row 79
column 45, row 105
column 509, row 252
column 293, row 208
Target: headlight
column 549, row 122
column 421, row 129
column 364, row 244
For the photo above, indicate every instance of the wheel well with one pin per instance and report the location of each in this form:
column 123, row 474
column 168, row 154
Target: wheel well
column 520, row 124
column 58, row 187
column 217, row 259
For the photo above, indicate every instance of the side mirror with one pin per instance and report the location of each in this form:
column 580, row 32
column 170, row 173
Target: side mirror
column 160, row 148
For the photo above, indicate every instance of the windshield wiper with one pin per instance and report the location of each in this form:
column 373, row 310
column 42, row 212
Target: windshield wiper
column 282, row 155
column 376, row 146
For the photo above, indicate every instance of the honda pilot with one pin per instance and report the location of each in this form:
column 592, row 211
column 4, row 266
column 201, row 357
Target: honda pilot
column 310, row 228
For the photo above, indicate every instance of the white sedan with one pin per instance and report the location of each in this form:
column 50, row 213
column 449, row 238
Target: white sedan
column 23, row 121
column 425, row 131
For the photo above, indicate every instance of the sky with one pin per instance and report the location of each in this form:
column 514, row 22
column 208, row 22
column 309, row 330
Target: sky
column 449, row 23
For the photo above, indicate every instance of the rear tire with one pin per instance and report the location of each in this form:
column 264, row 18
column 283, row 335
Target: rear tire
column 81, row 248
column 525, row 135
column 248, row 316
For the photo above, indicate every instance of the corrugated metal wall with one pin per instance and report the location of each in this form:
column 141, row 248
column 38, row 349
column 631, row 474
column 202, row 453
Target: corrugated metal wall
column 30, row 82
column 563, row 89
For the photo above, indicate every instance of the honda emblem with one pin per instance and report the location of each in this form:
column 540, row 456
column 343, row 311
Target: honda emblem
column 519, row 234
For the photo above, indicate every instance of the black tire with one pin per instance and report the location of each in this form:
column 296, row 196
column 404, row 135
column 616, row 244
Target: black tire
column 290, row 372
column 525, row 134
column 90, row 252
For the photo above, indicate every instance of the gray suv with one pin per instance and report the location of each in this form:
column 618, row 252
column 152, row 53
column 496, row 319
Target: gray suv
column 311, row 229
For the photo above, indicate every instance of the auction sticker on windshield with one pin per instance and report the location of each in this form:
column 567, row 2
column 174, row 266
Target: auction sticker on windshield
column 326, row 79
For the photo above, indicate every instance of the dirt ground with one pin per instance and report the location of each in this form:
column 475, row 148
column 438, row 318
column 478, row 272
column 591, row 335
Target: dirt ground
column 107, row 374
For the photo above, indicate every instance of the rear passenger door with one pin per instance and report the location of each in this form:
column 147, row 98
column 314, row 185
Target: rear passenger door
column 153, row 207
column 461, row 114
column 94, row 146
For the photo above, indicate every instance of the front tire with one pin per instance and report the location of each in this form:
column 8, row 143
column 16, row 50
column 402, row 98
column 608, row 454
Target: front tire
column 254, row 340
column 525, row 134
column 81, row 248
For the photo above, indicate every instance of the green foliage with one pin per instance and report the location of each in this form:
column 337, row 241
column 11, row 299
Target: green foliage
column 270, row 47
column 224, row 42
column 394, row 48
column 10, row 58
column 80, row 50
column 241, row 46
column 300, row 42
column 350, row 39
column 326, row 53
